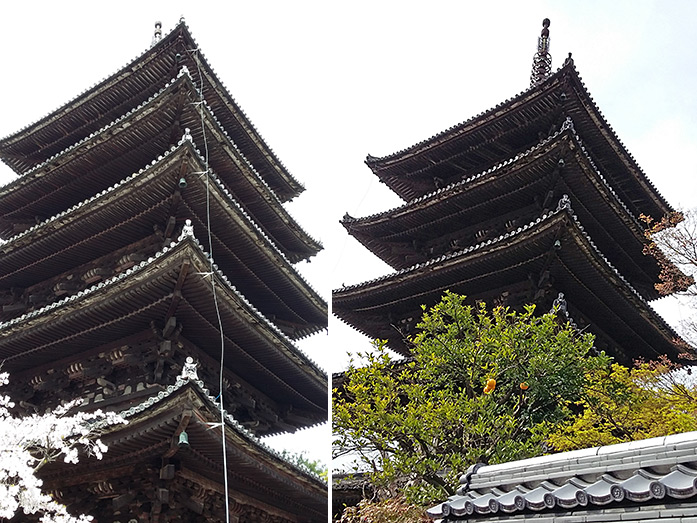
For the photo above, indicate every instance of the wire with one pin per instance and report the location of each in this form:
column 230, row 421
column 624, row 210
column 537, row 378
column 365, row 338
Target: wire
column 206, row 172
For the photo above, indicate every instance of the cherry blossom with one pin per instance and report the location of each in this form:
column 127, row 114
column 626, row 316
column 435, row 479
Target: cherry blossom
column 28, row 443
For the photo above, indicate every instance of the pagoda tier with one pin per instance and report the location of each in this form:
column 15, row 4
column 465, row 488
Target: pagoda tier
column 131, row 86
column 513, row 127
column 104, row 158
column 531, row 264
column 506, row 196
column 150, row 474
column 111, row 231
column 116, row 339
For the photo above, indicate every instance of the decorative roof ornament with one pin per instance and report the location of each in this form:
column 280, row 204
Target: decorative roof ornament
column 542, row 61
column 157, row 35
column 187, row 231
column 189, row 369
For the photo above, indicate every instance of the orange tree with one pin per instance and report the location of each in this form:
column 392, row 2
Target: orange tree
column 482, row 386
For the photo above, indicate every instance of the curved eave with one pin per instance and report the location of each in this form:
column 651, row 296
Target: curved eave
column 410, row 172
column 505, row 187
column 256, row 473
column 129, row 302
column 125, row 144
column 127, row 211
column 128, row 87
column 581, row 272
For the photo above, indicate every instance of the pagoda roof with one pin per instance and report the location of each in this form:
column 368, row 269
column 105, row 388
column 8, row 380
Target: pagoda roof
column 130, row 86
column 133, row 140
column 257, row 474
column 576, row 266
column 559, row 164
column 641, row 480
column 126, row 212
column 174, row 283
column 513, row 126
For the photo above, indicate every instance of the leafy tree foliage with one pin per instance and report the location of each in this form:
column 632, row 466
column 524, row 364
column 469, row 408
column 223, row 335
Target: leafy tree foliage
column 312, row 465
column 482, row 386
column 394, row 510
column 618, row 405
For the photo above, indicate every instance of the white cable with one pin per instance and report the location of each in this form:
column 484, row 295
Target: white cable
column 215, row 296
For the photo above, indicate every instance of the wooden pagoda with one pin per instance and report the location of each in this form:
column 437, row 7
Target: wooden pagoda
column 129, row 259
column 534, row 201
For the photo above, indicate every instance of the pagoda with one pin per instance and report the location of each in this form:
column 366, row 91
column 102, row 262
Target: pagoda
column 147, row 267
column 534, row 201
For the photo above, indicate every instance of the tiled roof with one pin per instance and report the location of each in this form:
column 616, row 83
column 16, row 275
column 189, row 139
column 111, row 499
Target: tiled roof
column 189, row 376
column 657, row 471
column 129, row 81
column 187, row 237
column 395, row 169
column 279, row 259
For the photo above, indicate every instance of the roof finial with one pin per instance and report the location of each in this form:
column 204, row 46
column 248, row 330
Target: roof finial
column 157, row 36
column 542, row 62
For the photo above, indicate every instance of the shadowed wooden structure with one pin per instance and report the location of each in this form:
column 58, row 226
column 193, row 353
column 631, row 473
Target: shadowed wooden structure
column 144, row 231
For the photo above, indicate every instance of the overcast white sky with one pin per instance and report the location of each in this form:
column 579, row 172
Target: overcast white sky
column 326, row 83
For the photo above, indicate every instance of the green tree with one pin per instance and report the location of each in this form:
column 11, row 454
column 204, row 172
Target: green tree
column 618, row 405
column 299, row 459
column 482, row 386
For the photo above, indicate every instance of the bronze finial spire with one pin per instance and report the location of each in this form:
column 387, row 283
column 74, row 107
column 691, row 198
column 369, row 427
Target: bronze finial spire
column 542, row 61
column 157, row 36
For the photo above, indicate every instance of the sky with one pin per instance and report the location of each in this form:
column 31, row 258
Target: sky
column 327, row 83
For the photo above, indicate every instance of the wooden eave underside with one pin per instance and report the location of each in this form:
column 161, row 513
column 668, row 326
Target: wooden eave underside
column 127, row 214
column 512, row 127
column 129, row 87
column 577, row 269
column 129, row 144
column 152, row 293
column 515, row 185
column 256, row 476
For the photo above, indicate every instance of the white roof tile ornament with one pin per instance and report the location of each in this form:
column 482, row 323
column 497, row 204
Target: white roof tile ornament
column 157, row 35
column 189, row 369
column 187, row 231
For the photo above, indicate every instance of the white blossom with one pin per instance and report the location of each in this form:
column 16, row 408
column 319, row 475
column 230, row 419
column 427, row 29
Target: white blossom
column 28, row 443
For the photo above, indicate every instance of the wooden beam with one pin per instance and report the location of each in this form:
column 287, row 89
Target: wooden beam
column 177, row 294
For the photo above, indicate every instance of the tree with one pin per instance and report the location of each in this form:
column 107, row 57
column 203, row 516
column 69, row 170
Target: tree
column 619, row 405
column 673, row 242
column 393, row 510
column 29, row 443
column 314, row 466
column 482, row 386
